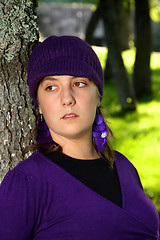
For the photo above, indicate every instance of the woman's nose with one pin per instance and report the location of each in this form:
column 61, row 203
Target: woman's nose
column 68, row 98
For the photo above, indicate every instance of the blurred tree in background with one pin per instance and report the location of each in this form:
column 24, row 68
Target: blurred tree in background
column 116, row 19
column 142, row 73
column 112, row 17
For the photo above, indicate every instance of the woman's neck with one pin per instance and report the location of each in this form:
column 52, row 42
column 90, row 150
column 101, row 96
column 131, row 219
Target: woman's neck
column 80, row 151
column 78, row 148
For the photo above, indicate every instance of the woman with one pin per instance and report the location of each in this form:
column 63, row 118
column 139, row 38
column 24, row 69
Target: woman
column 74, row 186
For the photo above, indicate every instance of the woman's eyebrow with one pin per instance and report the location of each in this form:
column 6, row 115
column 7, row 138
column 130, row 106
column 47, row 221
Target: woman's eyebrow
column 49, row 78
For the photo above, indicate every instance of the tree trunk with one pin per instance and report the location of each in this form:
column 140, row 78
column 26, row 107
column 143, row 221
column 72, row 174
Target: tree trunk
column 112, row 29
column 107, row 70
column 124, row 28
column 125, row 24
column 142, row 74
column 19, row 34
column 95, row 17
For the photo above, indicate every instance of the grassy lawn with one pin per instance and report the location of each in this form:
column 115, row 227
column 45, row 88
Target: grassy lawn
column 137, row 134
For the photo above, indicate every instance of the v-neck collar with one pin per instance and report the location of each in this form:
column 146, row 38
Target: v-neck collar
column 83, row 185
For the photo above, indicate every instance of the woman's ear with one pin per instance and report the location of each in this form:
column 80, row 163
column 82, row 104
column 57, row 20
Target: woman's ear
column 39, row 109
column 99, row 101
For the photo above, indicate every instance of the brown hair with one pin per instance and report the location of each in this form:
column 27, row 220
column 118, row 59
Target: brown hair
column 107, row 153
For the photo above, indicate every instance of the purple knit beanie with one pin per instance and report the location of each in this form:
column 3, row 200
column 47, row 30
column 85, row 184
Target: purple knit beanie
column 65, row 55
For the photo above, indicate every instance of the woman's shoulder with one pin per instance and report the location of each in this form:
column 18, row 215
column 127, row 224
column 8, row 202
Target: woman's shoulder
column 32, row 161
column 38, row 167
column 33, row 166
column 123, row 160
column 127, row 168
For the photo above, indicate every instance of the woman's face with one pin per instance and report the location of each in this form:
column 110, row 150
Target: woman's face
column 68, row 105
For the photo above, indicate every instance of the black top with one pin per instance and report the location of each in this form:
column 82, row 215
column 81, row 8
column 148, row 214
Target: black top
column 96, row 174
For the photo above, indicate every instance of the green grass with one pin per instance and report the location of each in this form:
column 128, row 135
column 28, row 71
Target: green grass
column 137, row 134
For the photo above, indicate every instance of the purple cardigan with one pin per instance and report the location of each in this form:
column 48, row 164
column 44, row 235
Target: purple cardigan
column 40, row 200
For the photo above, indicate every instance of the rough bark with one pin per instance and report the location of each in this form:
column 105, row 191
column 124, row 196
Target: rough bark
column 18, row 35
column 142, row 74
column 112, row 29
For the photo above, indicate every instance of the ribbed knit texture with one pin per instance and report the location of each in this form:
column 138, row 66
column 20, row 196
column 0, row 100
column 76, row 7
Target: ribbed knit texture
column 65, row 55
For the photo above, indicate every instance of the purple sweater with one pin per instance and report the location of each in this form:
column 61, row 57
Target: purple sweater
column 40, row 200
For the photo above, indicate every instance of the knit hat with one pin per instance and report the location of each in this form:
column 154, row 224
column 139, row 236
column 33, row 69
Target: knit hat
column 65, row 55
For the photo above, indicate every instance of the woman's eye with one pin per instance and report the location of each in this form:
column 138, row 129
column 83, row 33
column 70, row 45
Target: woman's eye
column 51, row 88
column 79, row 84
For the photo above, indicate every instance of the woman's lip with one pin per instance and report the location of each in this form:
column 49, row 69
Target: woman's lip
column 69, row 115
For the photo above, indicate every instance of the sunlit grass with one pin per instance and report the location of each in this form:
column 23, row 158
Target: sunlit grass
column 137, row 134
